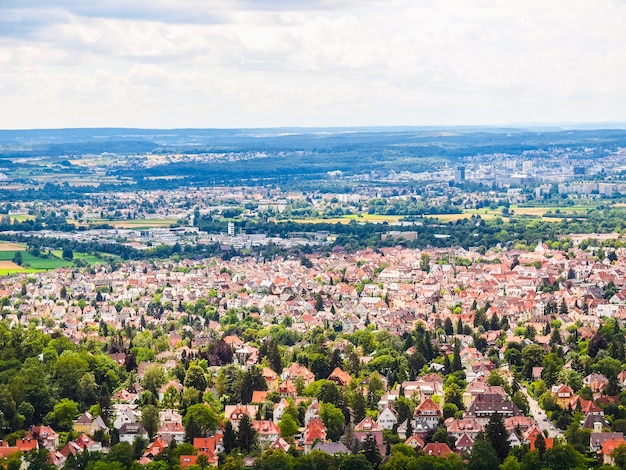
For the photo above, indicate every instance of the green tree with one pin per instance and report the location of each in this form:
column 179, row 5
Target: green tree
column 271, row 351
column 153, row 378
column 288, row 426
column 563, row 457
column 39, row 460
column 449, row 410
column 454, row 395
column 67, row 254
column 333, row 419
column 540, row 445
column 150, row 419
column 369, row 449
column 552, row 365
column 520, row 400
column 198, row 421
column 572, row 378
column 403, row 406
column 88, row 390
column 230, row 437
column 195, row 378
column 63, row 415
column 510, row 463
column 456, row 358
column 497, row 436
column 246, row 435
column 619, row 456
column 355, row 462
column 17, row 258
column 121, row 452
column 425, row 262
column 248, row 381
column 359, row 405
column 483, row 456
column 532, row 356
column 231, row 463
column 68, row 370
column 274, row 459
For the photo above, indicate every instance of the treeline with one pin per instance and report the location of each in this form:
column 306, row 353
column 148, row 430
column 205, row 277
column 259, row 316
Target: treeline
column 46, row 379
column 470, row 232
column 116, row 249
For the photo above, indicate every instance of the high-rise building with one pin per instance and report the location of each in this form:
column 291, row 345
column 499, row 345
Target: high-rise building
column 459, row 174
column 231, row 229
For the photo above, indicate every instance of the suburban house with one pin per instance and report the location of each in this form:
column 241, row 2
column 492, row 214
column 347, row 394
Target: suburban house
column 88, row 424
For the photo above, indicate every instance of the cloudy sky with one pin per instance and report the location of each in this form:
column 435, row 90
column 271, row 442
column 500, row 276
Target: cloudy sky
column 266, row 63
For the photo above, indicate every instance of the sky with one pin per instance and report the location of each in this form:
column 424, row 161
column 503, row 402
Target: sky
column 270, row 63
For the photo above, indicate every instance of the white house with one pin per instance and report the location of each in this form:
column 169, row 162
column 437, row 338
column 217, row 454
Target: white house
column 128, row 432
column 387, row 418
column 124, row 416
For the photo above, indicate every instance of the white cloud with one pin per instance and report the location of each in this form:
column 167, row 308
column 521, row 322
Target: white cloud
column 221, row 63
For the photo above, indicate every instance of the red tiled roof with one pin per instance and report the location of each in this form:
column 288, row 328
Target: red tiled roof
column 438, row 449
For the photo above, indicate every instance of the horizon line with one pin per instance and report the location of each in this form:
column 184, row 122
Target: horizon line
column 577, row 125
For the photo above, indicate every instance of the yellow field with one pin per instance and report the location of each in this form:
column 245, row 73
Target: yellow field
column 134, row 223
column 8, row 246
column 22, row 218
column 10, row 266
column 142, row 223
column 369, row 218
column 319, row 220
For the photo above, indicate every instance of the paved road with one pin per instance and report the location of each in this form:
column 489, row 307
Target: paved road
column 539, row 415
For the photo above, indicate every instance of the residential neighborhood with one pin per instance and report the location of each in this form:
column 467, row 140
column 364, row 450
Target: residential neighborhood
column 350, row 351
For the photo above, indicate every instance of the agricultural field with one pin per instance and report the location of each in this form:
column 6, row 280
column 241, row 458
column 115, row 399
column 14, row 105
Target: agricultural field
column 33, row 263
column 346, row 219
column 137, row 224
column 9, row 267
column 546, row 213
column 375, row 218
column 87, row 258
column 22, row 217
column 8, row 246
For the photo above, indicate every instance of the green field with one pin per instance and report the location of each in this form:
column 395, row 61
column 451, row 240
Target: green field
column 90, row 259
column 523, row 210
column 346, row 219
column 138, row 224
column 34, row 262
column 6, row 272
column 22, row 218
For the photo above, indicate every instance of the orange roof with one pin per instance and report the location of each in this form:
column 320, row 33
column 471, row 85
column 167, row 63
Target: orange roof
column 315, row 430
column 232, row 339
column 438, row 449
column 367, row 424
column 549, row 442
column 609, row 446
column 5, row 450
column 341, row 375
column 259, row 396
column 204, row 443
column 428, row 405
column 27, row 444
column 265, row 427
column 414, row 438
column 188, row 460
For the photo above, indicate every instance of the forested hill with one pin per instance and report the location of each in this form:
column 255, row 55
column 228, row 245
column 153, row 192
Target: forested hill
column 441, row 142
